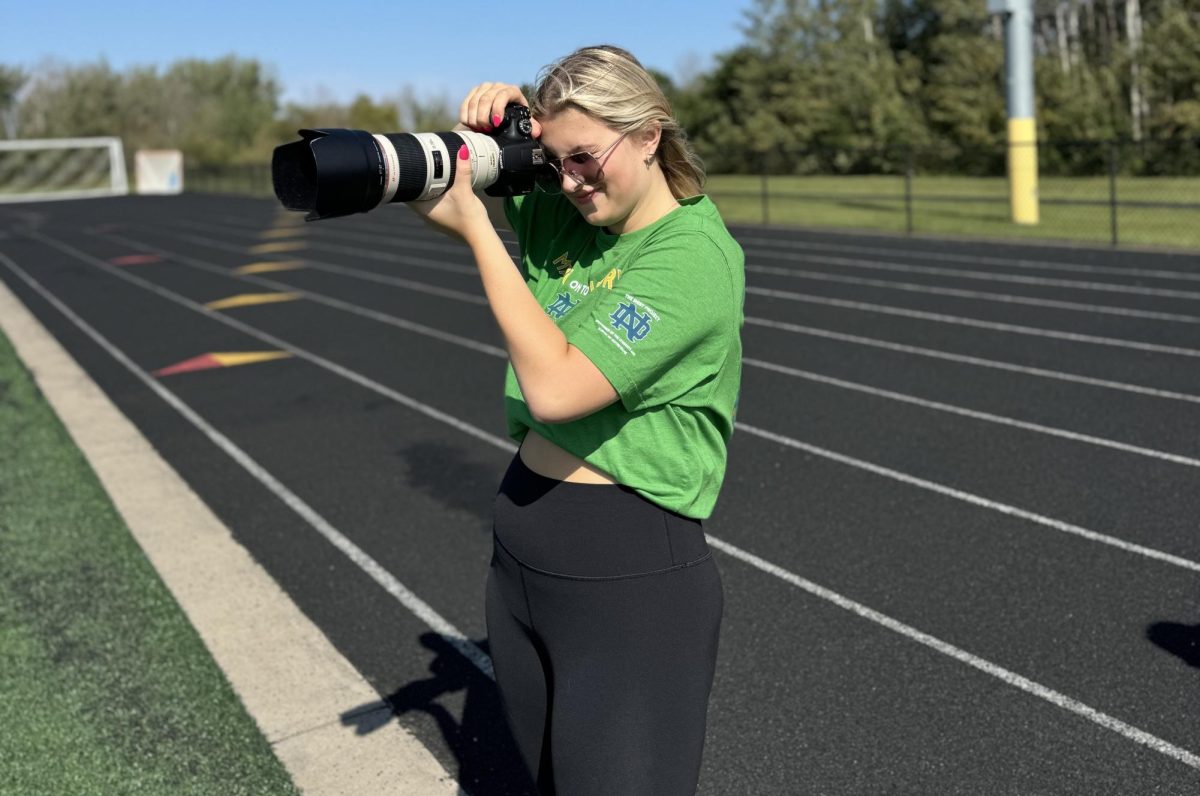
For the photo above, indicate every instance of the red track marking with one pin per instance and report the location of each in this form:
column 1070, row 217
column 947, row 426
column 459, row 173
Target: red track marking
column 202, row 362
column 136, row 259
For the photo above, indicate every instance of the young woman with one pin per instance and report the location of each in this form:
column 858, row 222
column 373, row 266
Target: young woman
column 622, row 324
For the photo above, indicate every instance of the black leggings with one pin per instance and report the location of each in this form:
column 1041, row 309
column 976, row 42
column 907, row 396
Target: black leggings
column 603, row 612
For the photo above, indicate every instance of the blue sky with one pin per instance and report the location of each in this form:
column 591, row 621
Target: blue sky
column 338, row 49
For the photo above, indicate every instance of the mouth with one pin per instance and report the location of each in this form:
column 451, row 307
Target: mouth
column 584, row 199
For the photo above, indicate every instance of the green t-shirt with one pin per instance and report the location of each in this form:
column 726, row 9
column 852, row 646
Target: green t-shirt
column 659, row 311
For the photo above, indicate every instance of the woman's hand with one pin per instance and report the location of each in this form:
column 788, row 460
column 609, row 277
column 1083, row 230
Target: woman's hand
column 484, row 107
column 457, row 211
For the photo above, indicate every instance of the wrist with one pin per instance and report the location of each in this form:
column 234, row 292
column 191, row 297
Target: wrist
column 479, row 234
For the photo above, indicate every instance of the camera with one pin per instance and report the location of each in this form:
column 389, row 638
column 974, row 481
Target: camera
column 334, row 172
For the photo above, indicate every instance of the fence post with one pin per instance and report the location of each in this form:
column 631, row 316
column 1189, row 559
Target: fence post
column 1112, row 189
column 908, row 175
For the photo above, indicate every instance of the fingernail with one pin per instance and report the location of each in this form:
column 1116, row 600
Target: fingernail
column 463, row 152
column 496, row 120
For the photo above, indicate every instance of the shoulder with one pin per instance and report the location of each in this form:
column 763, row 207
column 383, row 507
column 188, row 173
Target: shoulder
column 698, row 223
column 694, row 237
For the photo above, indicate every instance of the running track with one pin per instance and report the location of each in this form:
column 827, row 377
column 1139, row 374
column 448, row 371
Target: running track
column 959, row 536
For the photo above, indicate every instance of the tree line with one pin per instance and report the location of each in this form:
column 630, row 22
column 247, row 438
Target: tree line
column 815, row 86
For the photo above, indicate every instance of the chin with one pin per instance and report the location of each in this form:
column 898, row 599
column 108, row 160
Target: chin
column 598, row 212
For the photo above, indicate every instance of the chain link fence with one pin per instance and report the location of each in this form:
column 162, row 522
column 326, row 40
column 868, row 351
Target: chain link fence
column 1110, row 192
column 1144, row 193
column 252, row 179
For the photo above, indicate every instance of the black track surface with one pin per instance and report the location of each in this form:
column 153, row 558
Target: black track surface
column 810, row 697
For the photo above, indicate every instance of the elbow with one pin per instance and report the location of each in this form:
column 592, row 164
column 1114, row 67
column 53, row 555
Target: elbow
column 548, row 412
column 545, row 418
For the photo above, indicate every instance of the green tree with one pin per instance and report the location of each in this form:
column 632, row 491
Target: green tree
column 952, row 70
column 365, row 114
column 1172, row 65
column 227, row 102
column 12, row 80
column 67, row 102
column 425, row 114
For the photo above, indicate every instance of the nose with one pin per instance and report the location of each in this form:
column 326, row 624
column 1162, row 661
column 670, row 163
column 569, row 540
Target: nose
column 570, row 184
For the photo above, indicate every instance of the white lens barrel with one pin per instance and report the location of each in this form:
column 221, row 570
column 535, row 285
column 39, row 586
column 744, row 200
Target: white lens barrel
column 485, row 159
column 418, row 166
column 437, row 164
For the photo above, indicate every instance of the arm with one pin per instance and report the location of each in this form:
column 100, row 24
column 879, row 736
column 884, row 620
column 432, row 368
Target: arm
column 559, row 383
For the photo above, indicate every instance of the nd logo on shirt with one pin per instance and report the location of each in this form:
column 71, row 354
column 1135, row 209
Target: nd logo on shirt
column 561, row 306
column 636, row 325
column 562, row 303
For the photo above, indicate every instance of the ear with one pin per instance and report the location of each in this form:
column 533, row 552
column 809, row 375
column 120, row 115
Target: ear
column 649, row 138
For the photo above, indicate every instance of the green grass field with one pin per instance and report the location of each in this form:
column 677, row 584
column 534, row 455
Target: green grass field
column 878, row 203
column 106, row 687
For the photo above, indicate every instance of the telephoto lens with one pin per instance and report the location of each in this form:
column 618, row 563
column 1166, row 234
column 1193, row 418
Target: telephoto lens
column 334, row 172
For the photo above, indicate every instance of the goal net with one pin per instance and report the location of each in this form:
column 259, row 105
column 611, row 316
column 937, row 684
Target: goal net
column 61, row 168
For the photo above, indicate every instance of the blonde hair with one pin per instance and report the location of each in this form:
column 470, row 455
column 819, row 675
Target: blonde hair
column 610, row 85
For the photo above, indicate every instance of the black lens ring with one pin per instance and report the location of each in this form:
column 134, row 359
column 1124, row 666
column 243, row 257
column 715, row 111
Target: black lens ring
column 453, row 142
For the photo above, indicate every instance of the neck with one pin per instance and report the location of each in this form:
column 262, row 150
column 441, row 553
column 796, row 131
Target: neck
column 657, row 202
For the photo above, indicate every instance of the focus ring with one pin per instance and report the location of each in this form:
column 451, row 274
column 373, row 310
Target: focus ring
column 413, row 173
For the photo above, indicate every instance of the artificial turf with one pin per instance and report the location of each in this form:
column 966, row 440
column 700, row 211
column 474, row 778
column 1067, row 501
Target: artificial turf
column 105, row 688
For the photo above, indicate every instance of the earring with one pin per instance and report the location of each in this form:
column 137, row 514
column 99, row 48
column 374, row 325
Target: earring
column 649, row 159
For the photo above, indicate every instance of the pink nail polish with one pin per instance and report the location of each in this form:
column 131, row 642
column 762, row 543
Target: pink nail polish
column 463, row 152
column 496, row 120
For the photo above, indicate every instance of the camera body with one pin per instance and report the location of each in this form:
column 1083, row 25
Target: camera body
column 334, row 172
column 521, row 155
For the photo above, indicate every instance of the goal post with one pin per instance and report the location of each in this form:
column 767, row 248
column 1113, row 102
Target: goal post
column 34, row 170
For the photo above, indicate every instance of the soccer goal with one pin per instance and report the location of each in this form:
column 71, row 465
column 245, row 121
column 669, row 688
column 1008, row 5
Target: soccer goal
column 35, row 170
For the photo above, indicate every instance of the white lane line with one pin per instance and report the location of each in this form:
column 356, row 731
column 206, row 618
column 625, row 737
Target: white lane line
column 1006, row 676
column 795, row 372
column 319, row 298
column 963, row 273
column 837, row 457
column 494, row 351
column 968, row 360
column 365, row 562
column 867, row 307
column 1013, row 422
column 355, row 273
column 920, row 254
column 395, row 241
column 938, row 317
column 415, row 262
column 976, row 500
column 979, row 295
column 399, row 234
column 272, row 340
column 987, row 667
column 781, row 325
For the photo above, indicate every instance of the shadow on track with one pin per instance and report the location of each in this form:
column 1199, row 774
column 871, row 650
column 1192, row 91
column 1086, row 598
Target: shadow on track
column 1177, row 639
column 444, row 473
column 488, row 762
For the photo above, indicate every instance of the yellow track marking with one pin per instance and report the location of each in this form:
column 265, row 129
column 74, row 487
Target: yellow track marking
column 268, row 266
column 281, row 232
column 250, row 299
column 277, row 246
column 232, row 359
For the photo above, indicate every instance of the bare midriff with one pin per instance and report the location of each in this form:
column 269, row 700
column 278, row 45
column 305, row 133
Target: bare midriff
column 545, row 458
